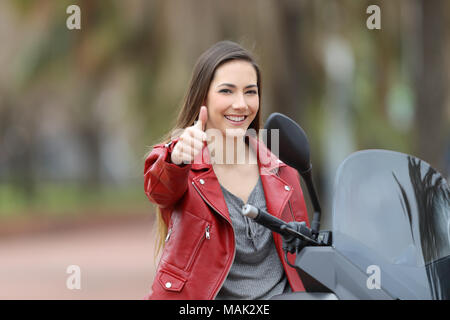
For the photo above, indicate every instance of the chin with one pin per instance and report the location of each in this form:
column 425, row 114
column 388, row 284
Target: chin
column 235, row 132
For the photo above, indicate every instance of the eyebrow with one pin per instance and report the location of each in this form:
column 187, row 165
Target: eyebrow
column 233, row 86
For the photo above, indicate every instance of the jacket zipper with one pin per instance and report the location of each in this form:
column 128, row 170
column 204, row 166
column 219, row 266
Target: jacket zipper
column 234, row 251
column 206, row 236
column 168, row 234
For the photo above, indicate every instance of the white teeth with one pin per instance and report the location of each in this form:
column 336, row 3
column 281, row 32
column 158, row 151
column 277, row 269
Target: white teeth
column 235, row 118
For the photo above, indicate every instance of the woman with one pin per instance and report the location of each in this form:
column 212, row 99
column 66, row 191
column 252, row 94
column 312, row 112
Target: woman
column 210, row 250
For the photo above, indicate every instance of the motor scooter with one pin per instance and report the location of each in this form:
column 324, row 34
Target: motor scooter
column 390, row 236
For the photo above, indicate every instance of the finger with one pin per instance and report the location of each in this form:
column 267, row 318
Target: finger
column 177, row 161
column 192, row 150
column 176, row 157
column 182, row 148
column 192, row 142
column 183, row 155
column 197, row 134
column 202, row 119
column 186, row 157
column 203, row 116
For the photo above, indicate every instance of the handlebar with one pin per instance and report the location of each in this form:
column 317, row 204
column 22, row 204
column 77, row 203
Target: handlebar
column 277, row 225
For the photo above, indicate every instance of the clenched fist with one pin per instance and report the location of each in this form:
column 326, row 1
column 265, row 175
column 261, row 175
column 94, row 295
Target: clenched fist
column 190, row 142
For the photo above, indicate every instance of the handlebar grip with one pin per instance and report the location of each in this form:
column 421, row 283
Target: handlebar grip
column 265, row 219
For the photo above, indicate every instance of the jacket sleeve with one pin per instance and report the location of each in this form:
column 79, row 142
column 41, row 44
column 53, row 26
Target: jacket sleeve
column 164, row 182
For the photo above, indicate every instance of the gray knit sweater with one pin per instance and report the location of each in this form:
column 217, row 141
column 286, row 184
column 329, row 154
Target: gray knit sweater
column 257, row 272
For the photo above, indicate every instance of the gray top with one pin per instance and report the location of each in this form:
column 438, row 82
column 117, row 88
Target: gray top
column 256, row 272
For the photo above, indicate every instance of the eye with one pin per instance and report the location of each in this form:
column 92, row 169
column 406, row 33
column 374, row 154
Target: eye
column 252, row 92
column 225, row 91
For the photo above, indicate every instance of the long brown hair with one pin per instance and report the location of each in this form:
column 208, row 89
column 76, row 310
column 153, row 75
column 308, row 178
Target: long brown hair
column 196, row 95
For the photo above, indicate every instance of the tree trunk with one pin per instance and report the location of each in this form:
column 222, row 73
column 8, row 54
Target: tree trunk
column 431, row 84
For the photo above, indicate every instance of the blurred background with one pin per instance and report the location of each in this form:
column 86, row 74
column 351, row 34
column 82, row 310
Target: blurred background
column 79, row 109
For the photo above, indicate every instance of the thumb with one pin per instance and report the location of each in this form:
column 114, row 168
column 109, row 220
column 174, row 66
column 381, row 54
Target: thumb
column 202, row 118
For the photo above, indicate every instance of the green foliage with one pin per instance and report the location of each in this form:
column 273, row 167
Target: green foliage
column 53, row 199
column 157, row 43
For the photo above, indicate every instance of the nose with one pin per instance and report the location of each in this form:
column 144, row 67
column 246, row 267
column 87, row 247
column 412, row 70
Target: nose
column 240, row 102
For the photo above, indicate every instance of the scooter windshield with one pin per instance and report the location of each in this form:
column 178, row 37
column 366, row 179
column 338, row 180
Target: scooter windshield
column 391, row 218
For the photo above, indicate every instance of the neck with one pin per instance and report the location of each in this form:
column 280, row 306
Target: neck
column 233, row 150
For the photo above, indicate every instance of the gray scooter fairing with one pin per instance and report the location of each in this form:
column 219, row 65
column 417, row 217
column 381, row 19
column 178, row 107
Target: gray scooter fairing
column 391, row 226
column 391, row 214
column 392, row 211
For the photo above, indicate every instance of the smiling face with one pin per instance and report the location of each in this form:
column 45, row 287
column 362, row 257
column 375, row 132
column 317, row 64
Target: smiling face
column 233, row 99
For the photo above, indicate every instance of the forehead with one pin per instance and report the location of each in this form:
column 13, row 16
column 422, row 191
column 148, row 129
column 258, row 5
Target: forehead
column 235, row 72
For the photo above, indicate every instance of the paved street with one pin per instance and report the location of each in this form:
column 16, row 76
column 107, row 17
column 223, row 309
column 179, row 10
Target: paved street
column 116, row 262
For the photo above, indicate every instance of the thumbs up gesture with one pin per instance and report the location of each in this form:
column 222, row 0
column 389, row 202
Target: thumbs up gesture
column 191, row 140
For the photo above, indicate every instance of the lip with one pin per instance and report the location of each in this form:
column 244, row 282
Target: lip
column 235, row 123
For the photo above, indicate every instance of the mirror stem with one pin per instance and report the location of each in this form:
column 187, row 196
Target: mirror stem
column 315, row 224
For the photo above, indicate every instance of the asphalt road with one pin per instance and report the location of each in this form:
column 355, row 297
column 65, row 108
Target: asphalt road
column 115, row 262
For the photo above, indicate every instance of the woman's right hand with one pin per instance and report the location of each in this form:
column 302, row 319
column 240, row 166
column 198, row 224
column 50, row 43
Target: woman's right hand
column 191, row 140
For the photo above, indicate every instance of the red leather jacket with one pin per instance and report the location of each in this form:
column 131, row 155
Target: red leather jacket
column 200, row 245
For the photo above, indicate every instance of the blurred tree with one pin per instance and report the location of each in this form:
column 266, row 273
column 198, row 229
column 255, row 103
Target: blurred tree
column 154, row 45
column 431, row 84
column 294, row 80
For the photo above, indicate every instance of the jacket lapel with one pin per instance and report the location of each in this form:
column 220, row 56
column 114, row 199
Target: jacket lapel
column 205, row 182
column 276, row 190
